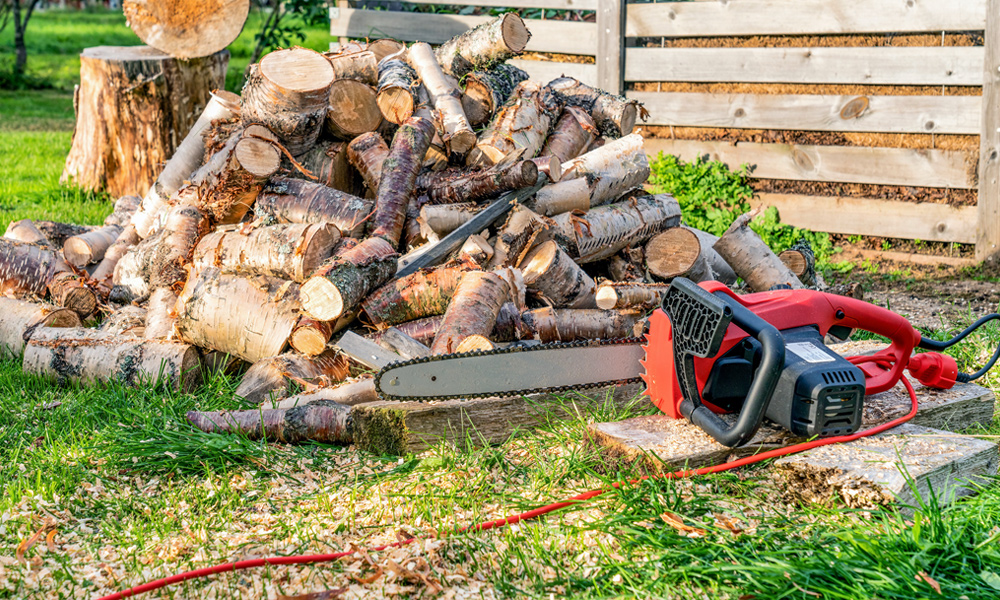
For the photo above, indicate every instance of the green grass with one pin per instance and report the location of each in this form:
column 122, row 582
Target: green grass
column 133, row 493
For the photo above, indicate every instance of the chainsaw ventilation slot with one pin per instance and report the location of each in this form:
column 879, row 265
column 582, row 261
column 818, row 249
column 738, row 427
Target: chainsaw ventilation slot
column 830, row 377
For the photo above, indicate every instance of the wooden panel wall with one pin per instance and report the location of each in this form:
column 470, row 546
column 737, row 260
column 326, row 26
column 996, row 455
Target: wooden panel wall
column 940, row 67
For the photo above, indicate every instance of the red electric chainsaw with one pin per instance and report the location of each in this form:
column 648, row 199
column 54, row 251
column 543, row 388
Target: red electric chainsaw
column 710, row 352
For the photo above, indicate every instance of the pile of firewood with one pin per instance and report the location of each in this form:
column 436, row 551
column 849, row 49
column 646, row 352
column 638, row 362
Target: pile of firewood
column 285, row 216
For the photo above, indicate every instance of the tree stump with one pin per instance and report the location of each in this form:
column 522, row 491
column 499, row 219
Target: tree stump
column 134, row 105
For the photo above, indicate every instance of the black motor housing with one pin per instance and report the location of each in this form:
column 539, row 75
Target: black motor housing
column 819, row 393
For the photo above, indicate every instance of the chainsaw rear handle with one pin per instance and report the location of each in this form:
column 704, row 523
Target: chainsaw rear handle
column 761, row 389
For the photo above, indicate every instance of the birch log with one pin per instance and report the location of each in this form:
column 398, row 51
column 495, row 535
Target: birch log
column 161, row 314
column 288, row 251
column 569, row 325
column 71, row 291
column 458, row 136
column 82, row 250
column 614, row 115
column 27, row 268
column 562, row 197
column 397, row 183
column 484, row 184
column 396, row 94
column 287, row 200
column 342, row 282
column 353, row 109
column 415, row 296
column 486, row 91
column 557, row 279
column 273, row 377
column 637, row 296
column 484, row 46
column 250, row 318
column 19, row 320
column 601, row 232
column 327, row 162
column 366, row 153
column 473, row 310
column 573, row 133
column 752, row 260
column 25, row 230
column 320, row 421
column 89, row 356
column 522, row 122
column 289, row 93
column 611, row 170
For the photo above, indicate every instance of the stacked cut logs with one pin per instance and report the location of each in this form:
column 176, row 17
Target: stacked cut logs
column 285, row 215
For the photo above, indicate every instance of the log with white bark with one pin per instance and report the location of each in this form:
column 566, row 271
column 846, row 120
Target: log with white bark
column 190, row 155
column 187, row 28
column 484, row 46
column 523, row 122
column 397, row 184
column 161, row 315
column 127, row 321
column 551, row 274
column 476, row 249
column 438, row 220
column 248, row 317
column 360, row 66
column 342, row 282
column 89, row 356
column 523, row 230
column 287, row 200
column 27, row 268
column 353, row 391
column 273, row 377
column 103, row 275
column 386, row 48
column 637, row 296
column 133, row 106
column 569, row 325
column 366, row 153
column 550, row 166
column 611, row 170
column 752, row 260
column 396, row 94
column 289, row 93
column 415, row 296
column 565, row 196
column 320, row 421
column 82, row 250
column 289, row 251
column 473, row 310
column 458, row 136
column 614, row 115
column 26, row 231
column 572, row 135
column 228, row 184
column 601, row 232
column 486, row 91
column 19, row 320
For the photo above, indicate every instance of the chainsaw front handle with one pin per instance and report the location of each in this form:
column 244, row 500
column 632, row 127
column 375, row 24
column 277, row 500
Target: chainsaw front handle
column 761, row 389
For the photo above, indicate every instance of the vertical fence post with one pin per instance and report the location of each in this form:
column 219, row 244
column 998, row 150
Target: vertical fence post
column 611, row 45
column 988, row 229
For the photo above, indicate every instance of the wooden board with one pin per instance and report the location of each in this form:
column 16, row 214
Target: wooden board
column 808, row 112
column 887, row 467
column 909, row 257
column 658, row 443
column 544, row 71
column 802, row 17
column 845, row 164
column 868, row 216
column 988, row 238
column 866, row 66
column 403, row 427
column 564, row 37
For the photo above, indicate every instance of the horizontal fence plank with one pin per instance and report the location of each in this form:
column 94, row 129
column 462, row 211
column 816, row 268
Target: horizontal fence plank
column 802, row 17
column 883, row 114
column 544, row 71
column 872, row 66
column 882, row 218
column 842, row 164
column 564, row 37
column 547, row 4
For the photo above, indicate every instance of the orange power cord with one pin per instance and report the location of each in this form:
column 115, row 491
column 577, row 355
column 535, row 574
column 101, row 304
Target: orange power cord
column 537, row 512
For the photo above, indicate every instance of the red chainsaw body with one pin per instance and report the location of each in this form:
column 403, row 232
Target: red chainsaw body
column 784, row 309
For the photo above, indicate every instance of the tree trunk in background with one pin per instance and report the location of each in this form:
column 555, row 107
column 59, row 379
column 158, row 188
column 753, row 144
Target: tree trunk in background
column 134, row 106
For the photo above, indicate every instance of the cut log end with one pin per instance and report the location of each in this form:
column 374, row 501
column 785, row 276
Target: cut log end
column 258, row 156
column 607, row 297
column 309, row 341
column 354, row 109
column 672, row 253
column 297, row 70
column 474, row 343
column 462, row 141
column 395, row 104
column 795, row 262
column 323, row 299
column 515, row 33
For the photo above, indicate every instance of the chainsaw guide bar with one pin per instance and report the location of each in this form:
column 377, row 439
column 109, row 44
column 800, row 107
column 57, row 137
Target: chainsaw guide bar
column 501, row 373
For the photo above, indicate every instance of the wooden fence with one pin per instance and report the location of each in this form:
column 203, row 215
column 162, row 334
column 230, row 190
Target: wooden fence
column 620, row 29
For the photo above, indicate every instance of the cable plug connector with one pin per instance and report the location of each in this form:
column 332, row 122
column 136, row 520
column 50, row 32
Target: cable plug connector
column 933, row 369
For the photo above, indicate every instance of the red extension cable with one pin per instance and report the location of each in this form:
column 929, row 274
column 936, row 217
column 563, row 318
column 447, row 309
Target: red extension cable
column 531, row 514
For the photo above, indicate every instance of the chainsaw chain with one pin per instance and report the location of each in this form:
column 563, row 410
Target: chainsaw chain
column 510, row 350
